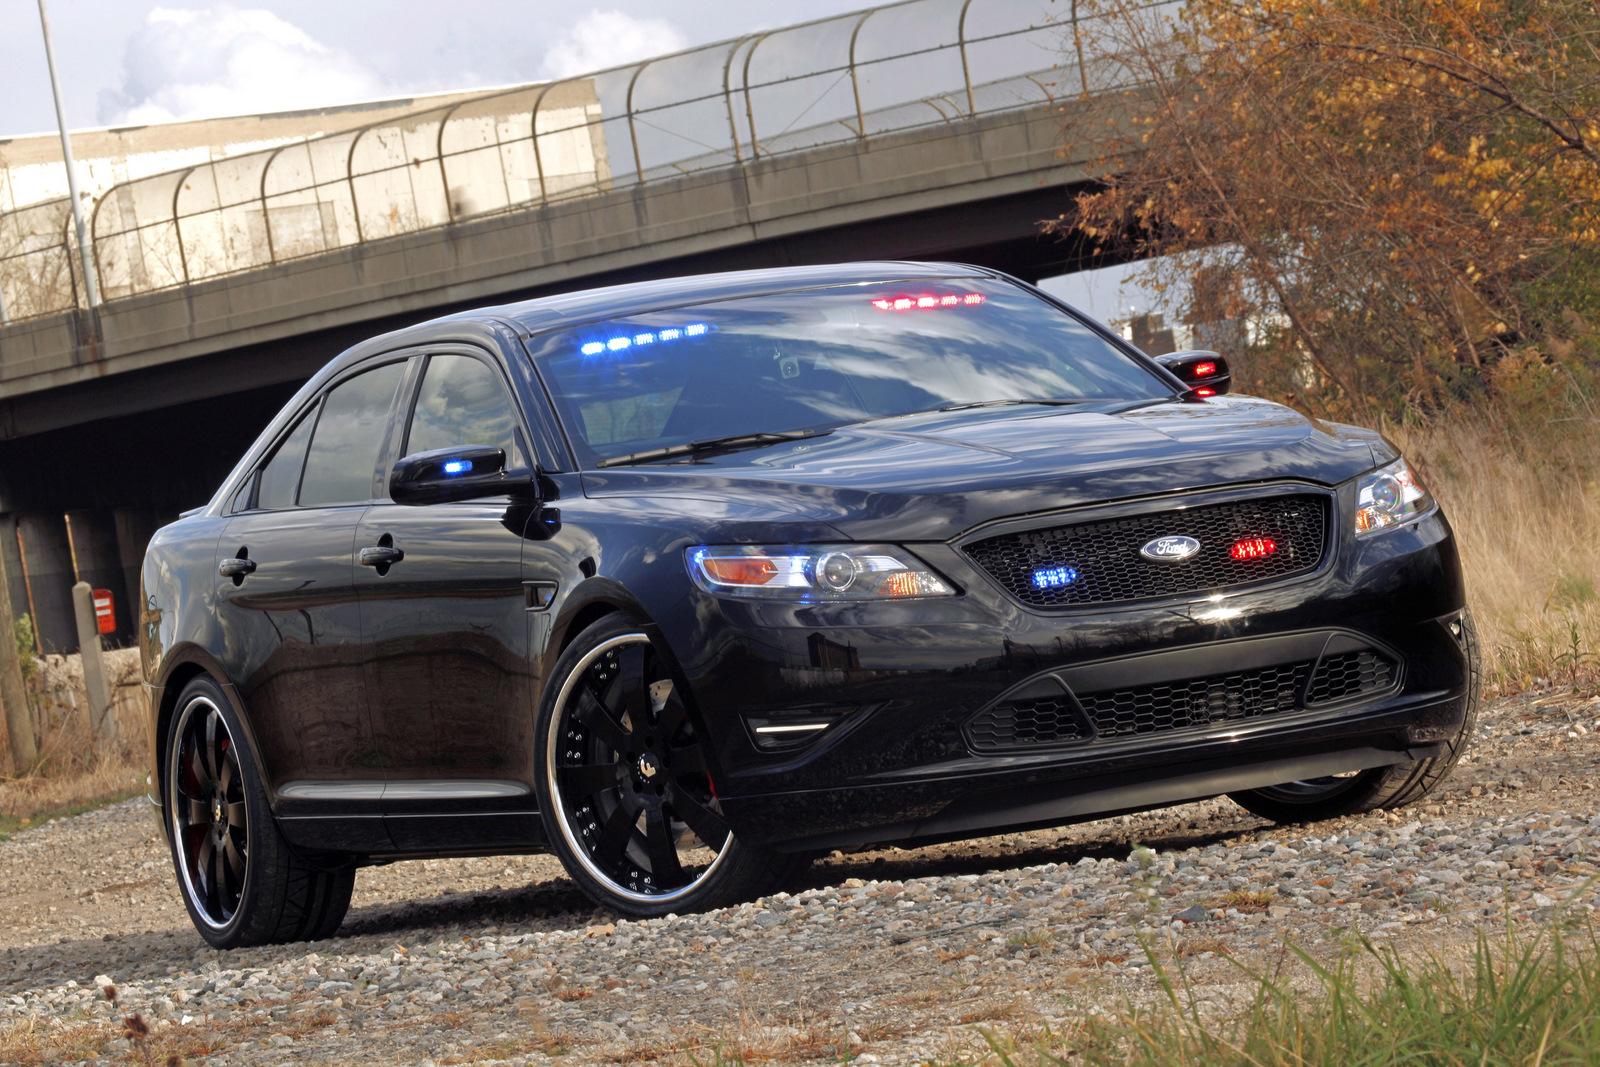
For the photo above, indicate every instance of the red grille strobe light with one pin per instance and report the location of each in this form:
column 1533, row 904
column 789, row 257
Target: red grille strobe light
column 1253, row 548
column 927, row 301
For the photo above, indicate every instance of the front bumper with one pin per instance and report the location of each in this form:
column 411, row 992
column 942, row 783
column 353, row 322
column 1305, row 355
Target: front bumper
column 900, row 682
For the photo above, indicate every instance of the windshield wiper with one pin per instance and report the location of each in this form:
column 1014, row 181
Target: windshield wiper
column 712, row 444
column 1049, row 402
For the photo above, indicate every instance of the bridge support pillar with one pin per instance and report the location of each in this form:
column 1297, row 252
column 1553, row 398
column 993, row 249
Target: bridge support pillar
column 135, row 527
column 47, row 562
column 94, row 545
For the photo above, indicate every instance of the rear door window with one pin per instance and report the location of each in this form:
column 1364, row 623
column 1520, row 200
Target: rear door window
column 348, row 440
column 281, row 476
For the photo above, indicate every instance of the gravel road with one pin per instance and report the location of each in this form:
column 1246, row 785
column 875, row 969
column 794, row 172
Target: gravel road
column 894, row 956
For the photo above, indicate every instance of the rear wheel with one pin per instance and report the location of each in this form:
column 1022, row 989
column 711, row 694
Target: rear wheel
column 1381, row 787
column 240, row 881
column 627, row 796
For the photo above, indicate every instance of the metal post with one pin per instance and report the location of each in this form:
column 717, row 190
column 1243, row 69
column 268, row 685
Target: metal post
column 102, row 721
column 91, row 285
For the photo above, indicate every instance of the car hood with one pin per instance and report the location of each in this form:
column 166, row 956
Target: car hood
column 931, row 477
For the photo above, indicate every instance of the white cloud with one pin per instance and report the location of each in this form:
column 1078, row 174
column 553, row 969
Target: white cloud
column 609, row 38
column 197, row 63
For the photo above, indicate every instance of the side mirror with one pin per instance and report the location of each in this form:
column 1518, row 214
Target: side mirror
column 1205, row 373
column 470, row 472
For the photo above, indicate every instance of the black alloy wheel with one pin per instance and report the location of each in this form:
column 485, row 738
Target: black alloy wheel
column 630, row 776
column 210, row 820
column 240, row 880
column 629, row 789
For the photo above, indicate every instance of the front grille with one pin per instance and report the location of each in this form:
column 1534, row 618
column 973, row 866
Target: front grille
column 1150, row 709
column 1021, row 723
column 1103, row 557
column 1350, row 674
column 1142, row 710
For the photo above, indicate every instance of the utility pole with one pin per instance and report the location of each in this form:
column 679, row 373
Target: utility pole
column 18, row 719
column 91, row 284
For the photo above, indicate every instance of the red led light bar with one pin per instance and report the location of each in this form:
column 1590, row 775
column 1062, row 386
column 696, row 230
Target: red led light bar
column 1253, row 548
column 927, row 301
column 1204, row 370
column 1202, row 391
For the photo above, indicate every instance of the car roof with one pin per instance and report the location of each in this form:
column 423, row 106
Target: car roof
column 528, row 317
column 560, row 309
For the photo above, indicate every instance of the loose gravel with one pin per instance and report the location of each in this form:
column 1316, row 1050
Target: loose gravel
column 891, row 956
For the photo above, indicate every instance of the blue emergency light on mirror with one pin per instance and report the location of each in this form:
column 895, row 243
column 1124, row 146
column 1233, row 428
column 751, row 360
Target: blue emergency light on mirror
column 665, row 335
column 454, row 467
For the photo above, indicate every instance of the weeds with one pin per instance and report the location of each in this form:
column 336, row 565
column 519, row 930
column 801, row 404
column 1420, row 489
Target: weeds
column 1515, row 1001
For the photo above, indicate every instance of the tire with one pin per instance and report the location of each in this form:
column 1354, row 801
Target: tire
column 625, row 792
column 240, row 880
column 1380, row 787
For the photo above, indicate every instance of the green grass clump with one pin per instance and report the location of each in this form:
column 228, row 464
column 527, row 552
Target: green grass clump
column 1516, row 1001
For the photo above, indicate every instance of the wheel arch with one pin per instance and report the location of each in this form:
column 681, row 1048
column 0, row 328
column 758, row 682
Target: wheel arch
column 182, row 667
column 589, row 602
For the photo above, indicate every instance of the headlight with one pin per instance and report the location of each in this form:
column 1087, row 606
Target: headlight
column 1389, row 496
column 814, row 572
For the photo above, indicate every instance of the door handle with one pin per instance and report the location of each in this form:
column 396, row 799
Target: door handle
column 236, row 568
column 380, row 556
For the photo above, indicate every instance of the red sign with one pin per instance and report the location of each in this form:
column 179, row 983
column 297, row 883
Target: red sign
column 104, row 614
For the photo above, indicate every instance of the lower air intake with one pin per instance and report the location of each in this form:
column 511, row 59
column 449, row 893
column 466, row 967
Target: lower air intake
column 1144, row 710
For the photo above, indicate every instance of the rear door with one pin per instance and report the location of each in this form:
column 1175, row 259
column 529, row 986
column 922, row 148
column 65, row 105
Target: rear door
column 287, row 602
column 448, row 666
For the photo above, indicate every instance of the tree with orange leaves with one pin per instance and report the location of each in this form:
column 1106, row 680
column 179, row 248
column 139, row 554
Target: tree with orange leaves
column 1402, row 195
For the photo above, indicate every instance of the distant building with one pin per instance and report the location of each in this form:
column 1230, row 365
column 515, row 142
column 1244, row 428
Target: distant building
column 30, row 166
column 1148, row 332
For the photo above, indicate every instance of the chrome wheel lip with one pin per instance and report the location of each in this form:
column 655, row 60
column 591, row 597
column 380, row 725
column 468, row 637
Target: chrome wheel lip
column 574, row 845
column 175, row 826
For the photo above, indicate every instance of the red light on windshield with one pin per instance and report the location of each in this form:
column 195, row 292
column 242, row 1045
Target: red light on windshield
column 928, row 301
column 1253, row 548
column 1204, row 370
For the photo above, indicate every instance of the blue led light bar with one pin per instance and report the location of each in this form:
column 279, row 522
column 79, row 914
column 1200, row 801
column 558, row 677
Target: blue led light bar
column 457, row 466
column 646, row 337
column 1054, row 577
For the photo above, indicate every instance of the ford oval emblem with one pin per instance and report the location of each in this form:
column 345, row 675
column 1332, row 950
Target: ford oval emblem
column 1174, row 549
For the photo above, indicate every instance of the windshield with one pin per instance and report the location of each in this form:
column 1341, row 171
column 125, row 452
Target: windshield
column 821, row 358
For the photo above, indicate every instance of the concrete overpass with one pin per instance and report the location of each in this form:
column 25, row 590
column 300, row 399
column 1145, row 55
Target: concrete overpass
column 113, row 418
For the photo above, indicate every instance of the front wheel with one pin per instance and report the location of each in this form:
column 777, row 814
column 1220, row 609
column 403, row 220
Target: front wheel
column 1333, row 796
column 625, row 788
column 241, row 882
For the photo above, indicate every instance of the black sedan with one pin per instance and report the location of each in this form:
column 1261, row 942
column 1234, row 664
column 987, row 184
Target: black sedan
column 688, row 581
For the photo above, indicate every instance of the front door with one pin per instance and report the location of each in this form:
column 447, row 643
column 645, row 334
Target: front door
column 449, row 670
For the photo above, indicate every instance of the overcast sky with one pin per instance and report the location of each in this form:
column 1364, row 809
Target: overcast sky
column 126, row 61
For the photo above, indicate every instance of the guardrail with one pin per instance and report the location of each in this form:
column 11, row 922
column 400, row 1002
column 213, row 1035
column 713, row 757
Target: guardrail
column 847, row 78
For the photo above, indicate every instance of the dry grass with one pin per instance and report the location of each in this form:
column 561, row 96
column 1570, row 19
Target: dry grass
column 1525, row 506
column 76, row 771
column 1246, row 900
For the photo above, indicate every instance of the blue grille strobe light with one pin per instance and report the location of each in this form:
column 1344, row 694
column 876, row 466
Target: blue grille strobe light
column 1054, row 577
column 648, row 337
